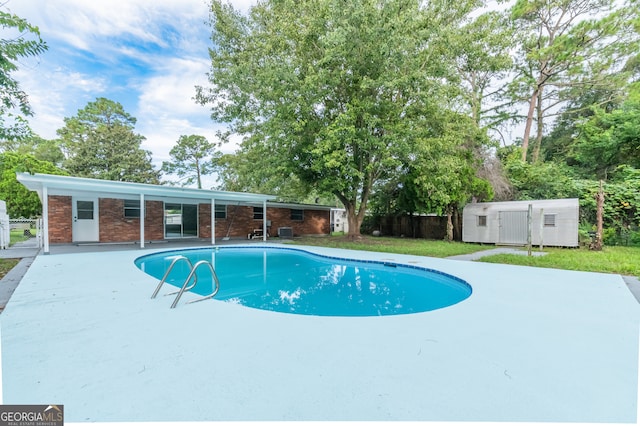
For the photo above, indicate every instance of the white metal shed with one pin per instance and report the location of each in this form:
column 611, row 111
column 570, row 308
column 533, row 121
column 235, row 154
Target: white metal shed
column 553, row 222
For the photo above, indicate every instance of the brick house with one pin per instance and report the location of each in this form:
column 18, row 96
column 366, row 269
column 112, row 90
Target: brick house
column 81, row 210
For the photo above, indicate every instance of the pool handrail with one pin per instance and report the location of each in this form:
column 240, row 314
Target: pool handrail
column 166, row 274
column 192, row 273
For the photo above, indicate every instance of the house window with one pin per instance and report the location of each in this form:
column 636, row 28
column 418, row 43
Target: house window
column 258, row 214
column 482, row 220
column 131, row 208
column 549, row 220
column 221, row 211
column 297, row 214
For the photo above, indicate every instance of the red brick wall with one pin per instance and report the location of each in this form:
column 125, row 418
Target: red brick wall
column 204, row 220
column 154, row 221
column 60, row 216
column 241, row 220
column 316, row 222
column 114, row 227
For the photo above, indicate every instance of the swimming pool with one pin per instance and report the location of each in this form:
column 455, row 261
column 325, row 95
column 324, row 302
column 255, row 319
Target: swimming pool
column 296, row 281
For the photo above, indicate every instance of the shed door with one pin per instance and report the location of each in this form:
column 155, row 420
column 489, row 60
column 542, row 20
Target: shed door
column 513, row 227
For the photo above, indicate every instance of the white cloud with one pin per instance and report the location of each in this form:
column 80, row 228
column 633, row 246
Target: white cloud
column 172, row 89
column 147, row 54
column 55, row 94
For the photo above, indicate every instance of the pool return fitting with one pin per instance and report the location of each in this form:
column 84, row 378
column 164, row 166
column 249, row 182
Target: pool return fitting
column 185, row 286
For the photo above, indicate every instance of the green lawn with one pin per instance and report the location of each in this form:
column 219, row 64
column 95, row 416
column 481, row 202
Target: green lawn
column 618, row 260
column 395, row 245
column 17, row 235
column 6, row 265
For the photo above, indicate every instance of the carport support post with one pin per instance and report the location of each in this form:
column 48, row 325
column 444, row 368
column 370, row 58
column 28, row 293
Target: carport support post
column 45, row 218
column 213, row 221
column 264, row 220
column 142, row 214
column 529, row 217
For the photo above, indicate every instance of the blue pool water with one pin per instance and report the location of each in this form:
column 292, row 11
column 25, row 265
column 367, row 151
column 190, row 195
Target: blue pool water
column 295, row 281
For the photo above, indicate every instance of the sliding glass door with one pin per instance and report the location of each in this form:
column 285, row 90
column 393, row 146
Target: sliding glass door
column 180, row 220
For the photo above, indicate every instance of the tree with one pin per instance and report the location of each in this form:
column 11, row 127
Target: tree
column 569, row 45
column 445, row 171
column 20, row 201
column 558, row 144
column 482, row 62
column 334, row 92
column 256, row 171
column 41, row 149
column 609, row 139
column 24, row 41
column 539, row 181
column 99, row 142
column 621, row 206
column 192, row 157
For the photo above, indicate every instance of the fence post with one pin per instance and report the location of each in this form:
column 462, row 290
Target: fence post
column 541, row 227
column 529, row 217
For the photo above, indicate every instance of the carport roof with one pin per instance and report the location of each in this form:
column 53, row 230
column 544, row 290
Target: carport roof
column 76, row 186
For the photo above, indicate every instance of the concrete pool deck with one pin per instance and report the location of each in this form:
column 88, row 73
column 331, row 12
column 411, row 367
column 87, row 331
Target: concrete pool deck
column 529, row 345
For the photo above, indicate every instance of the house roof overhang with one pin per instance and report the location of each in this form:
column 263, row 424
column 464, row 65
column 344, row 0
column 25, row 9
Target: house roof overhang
column 76, row 186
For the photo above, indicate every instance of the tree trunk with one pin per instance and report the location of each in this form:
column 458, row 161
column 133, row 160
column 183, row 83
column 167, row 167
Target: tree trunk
column 529, row 122
column 354, row 226
column 597, row 243
column 539, row 128
column 354, row 220
column 457, row 229
column 449, row 226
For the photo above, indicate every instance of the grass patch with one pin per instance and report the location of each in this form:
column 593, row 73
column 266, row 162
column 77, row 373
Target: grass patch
column 17, row 235
column 616, row 260
column 417, row 247
column 6, row 265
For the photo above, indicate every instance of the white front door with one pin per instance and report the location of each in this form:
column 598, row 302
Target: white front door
column 85, row 219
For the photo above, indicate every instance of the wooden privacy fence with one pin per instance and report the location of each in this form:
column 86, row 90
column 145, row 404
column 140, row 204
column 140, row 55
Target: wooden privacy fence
column 427, row 227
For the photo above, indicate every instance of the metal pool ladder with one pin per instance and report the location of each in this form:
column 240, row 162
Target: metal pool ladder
column 185, row 287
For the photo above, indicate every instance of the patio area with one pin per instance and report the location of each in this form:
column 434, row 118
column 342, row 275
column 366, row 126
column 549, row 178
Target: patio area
column 529, row 345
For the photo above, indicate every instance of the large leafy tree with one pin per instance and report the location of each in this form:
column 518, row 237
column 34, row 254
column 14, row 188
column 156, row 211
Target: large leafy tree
column 569, row 46
column 100, row 142
column 192, row 157
column 20, row 201
column 20, row 40
column 333, row 91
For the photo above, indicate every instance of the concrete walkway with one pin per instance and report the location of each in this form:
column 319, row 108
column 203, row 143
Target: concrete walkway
column 490, row 252
column 26, row 251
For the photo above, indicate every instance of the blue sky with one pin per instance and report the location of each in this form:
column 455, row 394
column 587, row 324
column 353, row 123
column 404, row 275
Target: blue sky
column 146, row 54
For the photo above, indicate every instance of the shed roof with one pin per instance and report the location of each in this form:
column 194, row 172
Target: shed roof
column 76, row 186
column 524, row 203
